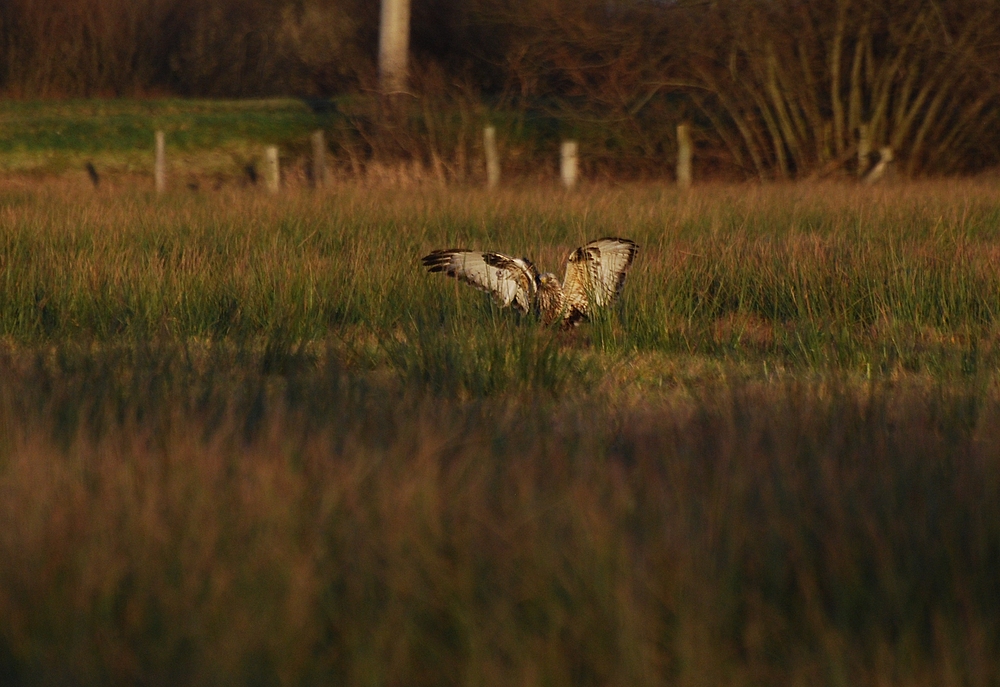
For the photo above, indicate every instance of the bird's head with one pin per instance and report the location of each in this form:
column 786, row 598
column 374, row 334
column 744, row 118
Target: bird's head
column 547, row 280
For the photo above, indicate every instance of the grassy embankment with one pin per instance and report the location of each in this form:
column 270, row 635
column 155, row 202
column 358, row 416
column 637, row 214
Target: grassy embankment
column 204, row 137
column 246, row 440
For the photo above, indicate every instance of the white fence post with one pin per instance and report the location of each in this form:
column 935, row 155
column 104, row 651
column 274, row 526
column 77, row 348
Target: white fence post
column 160, row 163
column 569, row 165
column 319, row 159
column 272, row 173
column 492, row 159
column 684, row 154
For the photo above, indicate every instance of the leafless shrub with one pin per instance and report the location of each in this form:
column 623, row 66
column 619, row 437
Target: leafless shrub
column 789, row 87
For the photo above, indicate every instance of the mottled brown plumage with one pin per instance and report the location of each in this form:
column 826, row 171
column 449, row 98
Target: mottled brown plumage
column 595, row 275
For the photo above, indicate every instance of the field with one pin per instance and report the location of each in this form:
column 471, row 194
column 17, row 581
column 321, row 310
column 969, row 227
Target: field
column 116, row 136
column 246, row 440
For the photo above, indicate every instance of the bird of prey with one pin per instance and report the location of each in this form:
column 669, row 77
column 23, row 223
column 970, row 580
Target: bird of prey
column 595, row 275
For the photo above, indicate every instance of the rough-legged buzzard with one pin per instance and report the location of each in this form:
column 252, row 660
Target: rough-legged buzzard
column 595, row 275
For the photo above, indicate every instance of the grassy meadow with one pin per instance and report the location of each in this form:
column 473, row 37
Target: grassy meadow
column 247, row 440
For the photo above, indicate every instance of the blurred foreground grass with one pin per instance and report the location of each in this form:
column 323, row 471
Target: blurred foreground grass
column 246, row 440
column 172, row 516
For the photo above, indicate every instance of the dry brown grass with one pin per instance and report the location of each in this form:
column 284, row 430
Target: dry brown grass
column 312, row 527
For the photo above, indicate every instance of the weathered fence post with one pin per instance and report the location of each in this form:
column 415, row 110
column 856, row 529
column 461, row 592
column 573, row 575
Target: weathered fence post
column 492, row 159
column 569, row 164
column 272, row 174
column 684, row 155
column 319, row 159
column 160, row 163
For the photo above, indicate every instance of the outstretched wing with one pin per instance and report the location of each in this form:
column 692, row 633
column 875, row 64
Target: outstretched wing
column 595, row 273
column 510, row 280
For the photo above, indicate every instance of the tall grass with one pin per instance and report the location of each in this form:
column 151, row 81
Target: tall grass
column 832, row 277
column 218, row 516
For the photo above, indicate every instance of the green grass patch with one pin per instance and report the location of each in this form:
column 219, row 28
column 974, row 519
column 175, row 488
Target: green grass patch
column 117, row 135
column 829, row 278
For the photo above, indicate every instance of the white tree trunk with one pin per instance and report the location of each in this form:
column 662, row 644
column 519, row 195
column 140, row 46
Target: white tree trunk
column 393, row 45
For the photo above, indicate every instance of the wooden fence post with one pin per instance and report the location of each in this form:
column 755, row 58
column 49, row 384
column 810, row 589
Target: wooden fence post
column 272, row 173
column 492, row 159
column 160, row 163
column 684, row 155
column 319, row 159
column 569, row 165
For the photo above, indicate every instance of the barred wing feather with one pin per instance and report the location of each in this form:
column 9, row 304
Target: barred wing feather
column 512, row 281
column 595, row 273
